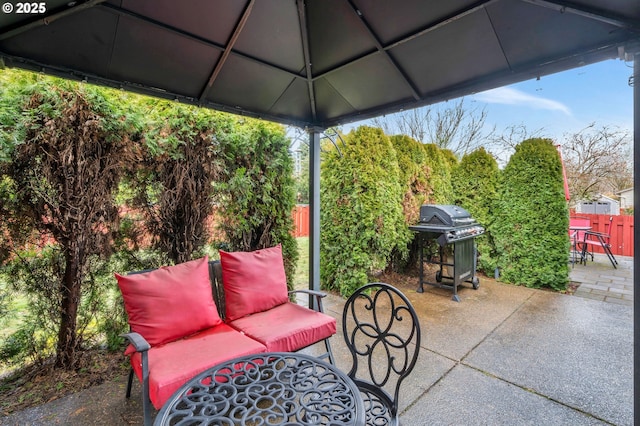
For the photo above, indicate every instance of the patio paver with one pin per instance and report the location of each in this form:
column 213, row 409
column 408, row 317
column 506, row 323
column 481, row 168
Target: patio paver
column 599, row 281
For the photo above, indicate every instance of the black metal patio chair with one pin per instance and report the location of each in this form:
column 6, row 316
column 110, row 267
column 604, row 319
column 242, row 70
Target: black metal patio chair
column 382, row 333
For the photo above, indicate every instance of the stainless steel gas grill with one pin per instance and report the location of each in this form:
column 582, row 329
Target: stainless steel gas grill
column 447, row 238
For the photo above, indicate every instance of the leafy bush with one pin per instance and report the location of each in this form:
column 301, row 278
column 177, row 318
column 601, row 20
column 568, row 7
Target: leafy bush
column 414, row 176
column 35, row 275
column 414, row 172
column 440, row 165
column 174, row 181
column 531, row 221
column 256, row 190
column 475, row 185
column 450, row 157
column 64, row 156
column 361, row 213
column 21, row 346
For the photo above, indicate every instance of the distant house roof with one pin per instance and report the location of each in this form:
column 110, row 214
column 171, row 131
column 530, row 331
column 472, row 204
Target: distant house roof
column 624, row 190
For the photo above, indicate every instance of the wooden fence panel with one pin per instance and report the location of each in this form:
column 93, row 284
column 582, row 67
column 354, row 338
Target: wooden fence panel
column 301, row 220
column 621, row 232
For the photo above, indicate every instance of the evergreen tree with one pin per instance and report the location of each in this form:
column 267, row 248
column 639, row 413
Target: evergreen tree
column 475, row 185
column 532, row 219
column 361, row 214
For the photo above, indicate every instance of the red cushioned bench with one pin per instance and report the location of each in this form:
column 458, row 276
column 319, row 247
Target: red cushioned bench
column 189, row 317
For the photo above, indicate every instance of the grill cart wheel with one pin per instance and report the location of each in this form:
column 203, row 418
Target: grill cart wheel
column 439, row 276
column 475, row 282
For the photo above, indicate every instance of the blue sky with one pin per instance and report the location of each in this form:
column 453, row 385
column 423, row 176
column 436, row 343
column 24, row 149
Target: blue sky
column 565, row 102
column 559, row 104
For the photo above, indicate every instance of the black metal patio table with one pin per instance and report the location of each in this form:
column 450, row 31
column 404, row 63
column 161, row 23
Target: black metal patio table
column 271, row 388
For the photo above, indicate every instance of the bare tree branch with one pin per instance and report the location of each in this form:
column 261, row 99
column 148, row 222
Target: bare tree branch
column 457, row 128
column 598, row 161
column 502, row 145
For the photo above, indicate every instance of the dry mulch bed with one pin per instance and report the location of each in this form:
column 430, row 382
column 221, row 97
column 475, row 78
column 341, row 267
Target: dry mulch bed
column 41, row 383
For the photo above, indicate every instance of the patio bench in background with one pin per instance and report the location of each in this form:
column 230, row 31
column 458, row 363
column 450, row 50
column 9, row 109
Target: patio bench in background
column 192, row 316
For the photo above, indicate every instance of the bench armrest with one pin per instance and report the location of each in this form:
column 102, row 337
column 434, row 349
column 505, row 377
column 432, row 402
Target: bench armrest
column 317, row 294
column 138, row 342
column 309, row 292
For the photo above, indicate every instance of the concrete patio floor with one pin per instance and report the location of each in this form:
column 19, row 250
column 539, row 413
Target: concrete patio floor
column 504, row 355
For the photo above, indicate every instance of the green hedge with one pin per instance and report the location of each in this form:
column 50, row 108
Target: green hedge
column 256, row 190
column 440, row 178
column 531, row 219
column 361, row 213
column 63, row 157
column 173, row 178
column 64, row 147
column 475, row 184
column 414, row 172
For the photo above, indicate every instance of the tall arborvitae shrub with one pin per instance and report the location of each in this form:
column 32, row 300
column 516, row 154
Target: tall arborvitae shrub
column 531, row 219
column 450, row 157
column 361, row 213
column 64, row 153
column 174, row 186
column 256, row 190
column 414, row 174
column 440, row 165
column 475, row 185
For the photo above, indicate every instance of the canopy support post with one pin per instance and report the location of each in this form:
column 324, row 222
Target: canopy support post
column 314, row 213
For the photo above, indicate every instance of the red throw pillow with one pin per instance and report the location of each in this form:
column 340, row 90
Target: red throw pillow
column 253, row 281
column 170, row 302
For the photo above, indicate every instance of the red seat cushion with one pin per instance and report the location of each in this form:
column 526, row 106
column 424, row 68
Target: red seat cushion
column 170, row 302
column 253, row 281
column 173, row 364
column 287, row 327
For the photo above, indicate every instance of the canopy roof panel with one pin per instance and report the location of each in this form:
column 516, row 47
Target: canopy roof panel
column 315, row 63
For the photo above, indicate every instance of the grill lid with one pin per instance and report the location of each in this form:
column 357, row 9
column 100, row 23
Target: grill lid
column 445, row 215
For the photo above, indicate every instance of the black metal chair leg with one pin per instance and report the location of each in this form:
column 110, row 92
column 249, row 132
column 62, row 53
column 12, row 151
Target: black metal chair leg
column 612, row 259
column 327, row 344
column 129, row 383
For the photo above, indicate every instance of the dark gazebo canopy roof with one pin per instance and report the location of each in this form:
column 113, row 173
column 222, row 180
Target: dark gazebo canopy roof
column 315, row 63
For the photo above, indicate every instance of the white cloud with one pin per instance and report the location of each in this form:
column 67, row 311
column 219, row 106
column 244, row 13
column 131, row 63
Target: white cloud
column 509, row 96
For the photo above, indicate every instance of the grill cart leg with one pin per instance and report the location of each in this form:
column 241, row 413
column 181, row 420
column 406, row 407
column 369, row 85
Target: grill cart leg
column 420, row 247
column 475, row 281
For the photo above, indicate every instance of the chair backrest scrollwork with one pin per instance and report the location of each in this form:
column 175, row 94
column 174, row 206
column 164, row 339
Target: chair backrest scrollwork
column 382, row 332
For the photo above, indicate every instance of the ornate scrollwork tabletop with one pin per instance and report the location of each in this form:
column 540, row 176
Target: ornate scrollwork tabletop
column 267, row 389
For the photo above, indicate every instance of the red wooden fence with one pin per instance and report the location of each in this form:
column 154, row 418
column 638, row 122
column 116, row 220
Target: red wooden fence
column 621, row 231
column 301, row 220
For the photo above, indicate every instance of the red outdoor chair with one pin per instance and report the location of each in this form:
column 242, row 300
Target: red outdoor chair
column 594, row 239
column 577, row 227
